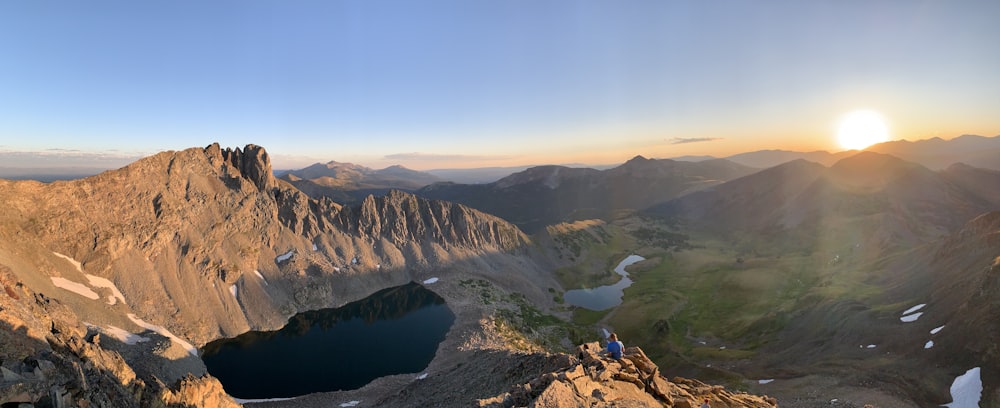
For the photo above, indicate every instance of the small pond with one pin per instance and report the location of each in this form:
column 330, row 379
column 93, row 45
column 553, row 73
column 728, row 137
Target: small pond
column 393, row 331
column 607, row 296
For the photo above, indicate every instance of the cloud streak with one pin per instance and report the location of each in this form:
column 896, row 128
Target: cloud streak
column 683, row 140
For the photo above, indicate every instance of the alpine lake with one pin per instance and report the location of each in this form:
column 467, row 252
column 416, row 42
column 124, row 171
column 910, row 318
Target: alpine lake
column 607, row 296
column 393, row 331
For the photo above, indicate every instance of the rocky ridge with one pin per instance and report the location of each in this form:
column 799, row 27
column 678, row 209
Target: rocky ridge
column 590, row 379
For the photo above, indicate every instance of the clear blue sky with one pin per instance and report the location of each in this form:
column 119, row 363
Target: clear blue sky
column 436, row 84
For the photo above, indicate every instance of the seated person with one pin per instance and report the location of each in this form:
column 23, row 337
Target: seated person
column 615, row 347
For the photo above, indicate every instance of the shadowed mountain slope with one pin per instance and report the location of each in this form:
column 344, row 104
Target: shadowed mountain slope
column 949, row 285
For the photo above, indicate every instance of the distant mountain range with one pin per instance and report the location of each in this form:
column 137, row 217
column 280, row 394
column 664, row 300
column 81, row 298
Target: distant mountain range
column 545, row 195
column 350, row 183
column 871, row 197
column 935, row 154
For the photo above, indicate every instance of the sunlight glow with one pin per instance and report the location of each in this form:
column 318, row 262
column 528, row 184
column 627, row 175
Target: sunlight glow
column 860, row 129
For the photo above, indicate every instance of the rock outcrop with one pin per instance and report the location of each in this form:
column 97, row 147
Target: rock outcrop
column 252, row 162
column 590, row 379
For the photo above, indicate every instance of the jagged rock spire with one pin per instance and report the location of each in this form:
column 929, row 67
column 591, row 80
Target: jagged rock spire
column 253, row 163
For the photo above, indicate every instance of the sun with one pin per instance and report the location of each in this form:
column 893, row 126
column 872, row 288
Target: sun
column 860, row 129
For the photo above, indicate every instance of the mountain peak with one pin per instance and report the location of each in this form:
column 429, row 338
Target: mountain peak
column 252, row 161
column 637, row 159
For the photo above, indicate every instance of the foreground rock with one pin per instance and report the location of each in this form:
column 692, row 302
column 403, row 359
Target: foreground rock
column 592, row 380
column 50, row 358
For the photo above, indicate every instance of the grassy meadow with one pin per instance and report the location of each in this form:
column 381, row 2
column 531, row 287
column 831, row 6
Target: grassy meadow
column 708, row 299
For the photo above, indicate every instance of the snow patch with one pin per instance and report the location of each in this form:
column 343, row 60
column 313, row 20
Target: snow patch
column 315, row 248
column 78, row 288
column 430, row 281
column 929, row 344
column 354, row 261
column 260, row 276
column 99, row 282
column 937, row 330
column 164, row 332
column 914, row 308
column 422, row 376
column 124, row 336
column 351, row 404
column 232, row 289
column 95, row 281
column 871, row 346
column 71, row 260
column 284, row 257
column 769, row 380
column 247, row 401
column 911, row 318
column 966, row 390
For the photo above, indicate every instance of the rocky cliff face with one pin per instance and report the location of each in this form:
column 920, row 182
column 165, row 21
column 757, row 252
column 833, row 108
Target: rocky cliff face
column 401, row 218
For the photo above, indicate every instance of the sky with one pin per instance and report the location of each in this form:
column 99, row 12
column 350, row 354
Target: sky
column 457, row 84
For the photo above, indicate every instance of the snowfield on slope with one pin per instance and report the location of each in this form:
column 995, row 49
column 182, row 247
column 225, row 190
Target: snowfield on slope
column 164, row 332
column 966, row 390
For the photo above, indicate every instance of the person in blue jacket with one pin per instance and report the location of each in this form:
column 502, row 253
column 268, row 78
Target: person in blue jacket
column 615, row 347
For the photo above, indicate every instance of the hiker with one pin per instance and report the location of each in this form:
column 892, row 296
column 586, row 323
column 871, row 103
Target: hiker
column 706, row 405
column 615, row 347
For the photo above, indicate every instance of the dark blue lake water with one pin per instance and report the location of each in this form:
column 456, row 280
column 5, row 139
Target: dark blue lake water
column 393, row 331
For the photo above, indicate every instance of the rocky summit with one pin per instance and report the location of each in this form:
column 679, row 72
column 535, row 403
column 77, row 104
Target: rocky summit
column 590, row 379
